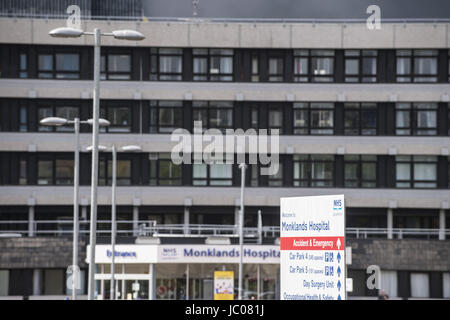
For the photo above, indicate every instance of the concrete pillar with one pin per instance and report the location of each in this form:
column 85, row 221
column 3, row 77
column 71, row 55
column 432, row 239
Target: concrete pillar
column 152, row 282
column 442, row 224
column 390, row 223
column 136, row 204
column 84, row 213
column 187, row 212
column 37, row 282
column 186, row 220
column 31, row 223
column 236, row 215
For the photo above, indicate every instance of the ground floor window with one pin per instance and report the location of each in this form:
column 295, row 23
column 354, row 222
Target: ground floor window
column 172, row 284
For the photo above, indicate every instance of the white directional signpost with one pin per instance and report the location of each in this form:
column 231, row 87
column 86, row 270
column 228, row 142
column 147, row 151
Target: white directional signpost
column 312, row 244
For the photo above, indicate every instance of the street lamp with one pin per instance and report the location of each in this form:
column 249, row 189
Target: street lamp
column 132, row 35
column 58, row 122
column 129, row 148
column 242, row 166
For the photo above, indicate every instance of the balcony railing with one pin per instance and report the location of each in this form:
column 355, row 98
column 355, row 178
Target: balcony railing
column 129, row 228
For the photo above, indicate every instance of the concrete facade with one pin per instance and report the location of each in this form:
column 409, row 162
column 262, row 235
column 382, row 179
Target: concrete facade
column 204, row 33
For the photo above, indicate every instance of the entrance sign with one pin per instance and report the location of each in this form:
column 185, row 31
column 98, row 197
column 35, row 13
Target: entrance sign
column 223, row 285
column 312, row 247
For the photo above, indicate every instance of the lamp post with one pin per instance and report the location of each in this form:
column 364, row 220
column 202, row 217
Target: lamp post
column 242, row 166
column 121, row 35
column 57, row 122
column 129, row 148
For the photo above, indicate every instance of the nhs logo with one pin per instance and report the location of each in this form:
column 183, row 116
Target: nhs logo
column 337, row 207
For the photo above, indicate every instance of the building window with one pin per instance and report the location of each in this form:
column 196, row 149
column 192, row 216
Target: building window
column 360, row 65
column 420, row 285
column 23, row 65
column 417, row 65
column 276, row 69
column 275, row 119
column 255, row 68
column 313, row 118
column 360, row 118
column 301, row 63
column 313, row 170
column 360, row 171
column 64, row 172
column 119, row 118
column 212, row 174
column 322, row 65
column 23, row 119
column 214, row 114
column 416, row 119
column 45, row 172
column 163, row 172
column 165, row 116
column 416, row 171
column 58, row 66
column 115, row 67
column 213, row 64
column 66, row 112
column 254, row 175
column 276, row 180
column 54, row 171
column 123, row 173
column 23, row 180
column 166, row 64
column 313, row 65
column 446, row 285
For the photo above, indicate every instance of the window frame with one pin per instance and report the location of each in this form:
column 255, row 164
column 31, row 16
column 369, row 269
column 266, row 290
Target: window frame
column 156, row 74
column 310, row 108
column 412, row 181
column 208, row 76
column 104, row 179
column 360, row 108
column 23, row 71
column 412, row 76
column 208, row 180
column 207, row 108
column 155, row 179
column 360, row 76
column 310, row 55
column 54, row 105
column 413, row 110
column 54, row 72
column 276, row 77
column 107, row 75
column 105, row 113
column 308, row 160
column 155, row 108
column 359, row 162
column 53, row 158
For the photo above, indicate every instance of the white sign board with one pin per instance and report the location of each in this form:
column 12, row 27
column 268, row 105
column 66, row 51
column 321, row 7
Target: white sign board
column 312, row 248
column 267, row 254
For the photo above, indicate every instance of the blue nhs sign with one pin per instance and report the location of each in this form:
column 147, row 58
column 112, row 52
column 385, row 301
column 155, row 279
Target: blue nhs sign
column 337, row 205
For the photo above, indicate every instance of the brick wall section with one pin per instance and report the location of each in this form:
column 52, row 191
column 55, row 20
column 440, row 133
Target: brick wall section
column 39, row 253
column 406, row 254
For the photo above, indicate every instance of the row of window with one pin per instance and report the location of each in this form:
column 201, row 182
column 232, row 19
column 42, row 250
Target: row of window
column 352, row 171
column 177, row 64
column 298, row 118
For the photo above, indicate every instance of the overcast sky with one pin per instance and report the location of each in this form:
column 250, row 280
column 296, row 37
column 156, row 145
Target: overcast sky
column 298, row 8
